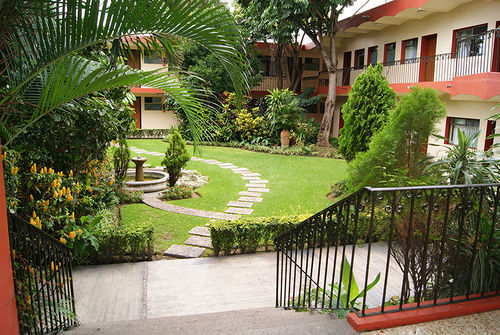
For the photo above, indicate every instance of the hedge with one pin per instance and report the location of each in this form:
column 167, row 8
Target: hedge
column 123, row 243
column 246, row 234
column 149, row 133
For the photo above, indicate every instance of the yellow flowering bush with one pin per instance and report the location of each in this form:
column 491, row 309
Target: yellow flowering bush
column 247, row 125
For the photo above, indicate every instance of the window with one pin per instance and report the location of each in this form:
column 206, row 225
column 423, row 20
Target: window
column 410, row 49
column 153, row 104
column 311, row 64
column 470, row 41
column 359, row 58
column 153, row 59
column 322, row 108
column 390, row 53
column 373, row 55
column 468, row 126
column 267, row 67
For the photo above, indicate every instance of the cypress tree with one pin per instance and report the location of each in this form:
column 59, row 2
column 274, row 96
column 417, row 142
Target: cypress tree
column 365, row 112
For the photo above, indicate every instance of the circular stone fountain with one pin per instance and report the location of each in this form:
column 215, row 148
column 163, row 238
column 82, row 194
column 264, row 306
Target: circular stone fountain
column 157, row 180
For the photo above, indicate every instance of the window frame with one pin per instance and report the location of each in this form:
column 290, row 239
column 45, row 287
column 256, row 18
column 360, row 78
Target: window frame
column 357, row 55
column 450, row 124
column 386, row 62
column 153, row 103
column 454, row 39
column 147, row 59
column 403, row 51
column 315, row 65
column 369, row 60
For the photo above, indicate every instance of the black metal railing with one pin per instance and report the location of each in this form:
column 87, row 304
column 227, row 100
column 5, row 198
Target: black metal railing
column 393, row 249
column 42, row 279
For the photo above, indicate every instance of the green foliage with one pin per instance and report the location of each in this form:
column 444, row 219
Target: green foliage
column 125, row 196
column 177, row 192
column 305, row 132
column 348, row 285
column 365, row 112
column 283, row 110
column 119, row 244
column 121, row 158
column 396, row 153
column 463, row 165
column 247, row 234
column 176, row 158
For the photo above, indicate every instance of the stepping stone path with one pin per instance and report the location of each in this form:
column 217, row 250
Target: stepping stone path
column 200, row 239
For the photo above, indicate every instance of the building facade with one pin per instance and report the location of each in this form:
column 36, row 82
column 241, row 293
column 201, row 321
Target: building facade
column 450, row 46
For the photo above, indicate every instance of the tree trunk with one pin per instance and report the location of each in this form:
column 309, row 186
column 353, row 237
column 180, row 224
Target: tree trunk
column 326, row 123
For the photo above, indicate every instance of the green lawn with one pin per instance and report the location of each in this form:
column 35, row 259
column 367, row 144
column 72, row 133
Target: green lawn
column 297, row 184
column 169, row 228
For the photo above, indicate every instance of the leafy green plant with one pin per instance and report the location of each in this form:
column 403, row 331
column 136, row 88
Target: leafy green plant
column 177, row 192
column 176, row 158
column 247, row 234
column 395, row 155
column 121, row 158
column 462, row 165
column 366, row 111
column 283, row 110
column 125, row 196
column 346, row 298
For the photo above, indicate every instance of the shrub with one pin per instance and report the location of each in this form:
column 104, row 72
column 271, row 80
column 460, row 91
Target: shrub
column 177, row 192
column 247, row 125
column 119, row 244
column 149, row 133
column 365, row 112
column 247, row 234
column 338, row 189
column 121, row 158
column 176, row 158
column 396, row 152
column 125, row 196
column 283, row 110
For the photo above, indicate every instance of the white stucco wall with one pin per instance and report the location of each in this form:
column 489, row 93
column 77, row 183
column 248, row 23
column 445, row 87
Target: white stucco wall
column 479, row 110
column 153, row 119
column 469, row 14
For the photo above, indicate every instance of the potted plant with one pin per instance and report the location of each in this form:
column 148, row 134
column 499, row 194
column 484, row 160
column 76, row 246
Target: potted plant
column 283, row 112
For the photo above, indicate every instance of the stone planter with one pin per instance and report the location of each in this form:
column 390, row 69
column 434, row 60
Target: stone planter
column 285, row 138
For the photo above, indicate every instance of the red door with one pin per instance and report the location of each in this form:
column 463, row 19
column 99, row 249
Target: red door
column 495, row 65
column 490, row 130
column 427, row 58
column 346, row 74
column 137, row 112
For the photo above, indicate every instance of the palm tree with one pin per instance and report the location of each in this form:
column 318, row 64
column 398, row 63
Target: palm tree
column 40, row 39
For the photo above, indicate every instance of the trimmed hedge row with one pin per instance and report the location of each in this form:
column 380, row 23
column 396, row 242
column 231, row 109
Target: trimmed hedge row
column 122, row 243
column 246, row 234
column 149, row 133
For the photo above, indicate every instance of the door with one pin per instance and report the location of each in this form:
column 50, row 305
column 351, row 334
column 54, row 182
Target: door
column 346, row 74
column 137, row 112
column 490, row 130
column 495, row 65
column 427, row 58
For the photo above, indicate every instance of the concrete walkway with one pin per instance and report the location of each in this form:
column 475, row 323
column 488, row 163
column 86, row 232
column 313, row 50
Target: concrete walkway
column 143, row 290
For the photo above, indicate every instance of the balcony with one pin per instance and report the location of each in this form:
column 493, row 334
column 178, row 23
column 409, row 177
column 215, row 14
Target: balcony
column 475, row 55
column 269, row 83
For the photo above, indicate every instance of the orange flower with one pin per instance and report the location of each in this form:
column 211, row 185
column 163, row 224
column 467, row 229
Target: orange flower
column 33, row 168
column 72, row 234
column 34, row 214
column 72, row 216
column 31, row 197
column 80, row 231
column 63, row 240
column 71, row 173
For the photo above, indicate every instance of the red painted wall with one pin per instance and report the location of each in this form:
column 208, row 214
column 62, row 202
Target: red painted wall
column 8, row 314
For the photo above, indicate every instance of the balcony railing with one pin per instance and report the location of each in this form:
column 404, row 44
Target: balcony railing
column 410, row 247
column 478, row 54
column 269, row 83
column 42, row 279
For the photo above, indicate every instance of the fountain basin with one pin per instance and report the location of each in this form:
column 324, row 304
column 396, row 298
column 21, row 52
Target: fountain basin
column 159, row 183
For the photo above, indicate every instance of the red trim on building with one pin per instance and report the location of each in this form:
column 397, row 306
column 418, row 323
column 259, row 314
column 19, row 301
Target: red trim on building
column 8, row 311
column 145, row 90
column 396, row 319
column 447, row 130
column 389, row 9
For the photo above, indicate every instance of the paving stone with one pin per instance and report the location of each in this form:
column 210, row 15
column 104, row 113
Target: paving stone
column 241, row 169
column 236, row 210
column 199, row 241
column 184, row 251
column 251, row 199
column 250, row 194
column 212, row 162
column 225, row 164
column 250, row 178
column 258, row 189
column 240, row 204
column 200, row 231
column 156, row 154
column 196, row 158
column 255, row 185
column 228, row 166
column 253, row 174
